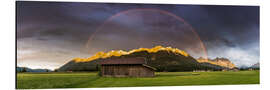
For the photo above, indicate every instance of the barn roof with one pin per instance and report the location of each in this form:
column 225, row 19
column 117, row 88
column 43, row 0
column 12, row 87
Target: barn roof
column 124, row 61
column 149, row 67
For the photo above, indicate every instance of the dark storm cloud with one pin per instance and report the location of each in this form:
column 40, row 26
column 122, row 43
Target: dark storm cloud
column 224, row 23
column 68, row 26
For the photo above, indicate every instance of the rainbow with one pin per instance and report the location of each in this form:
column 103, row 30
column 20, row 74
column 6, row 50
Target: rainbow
column 146, row 10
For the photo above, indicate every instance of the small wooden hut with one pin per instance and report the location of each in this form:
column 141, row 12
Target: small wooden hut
column 126, row 67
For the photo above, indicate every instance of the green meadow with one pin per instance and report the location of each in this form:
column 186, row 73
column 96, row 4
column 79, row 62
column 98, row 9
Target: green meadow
column 92, row 80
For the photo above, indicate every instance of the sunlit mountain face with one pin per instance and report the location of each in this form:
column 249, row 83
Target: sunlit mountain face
column 118, row 53
column 50, row 34
column 223, row 62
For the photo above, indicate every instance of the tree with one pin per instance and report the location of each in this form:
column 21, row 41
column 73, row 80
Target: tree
column 24, row 69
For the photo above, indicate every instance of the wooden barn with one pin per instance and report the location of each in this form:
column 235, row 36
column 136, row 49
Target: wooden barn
column 126, row 67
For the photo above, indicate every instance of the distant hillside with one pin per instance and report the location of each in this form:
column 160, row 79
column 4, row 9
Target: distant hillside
column 26, row 69
column 224, row 62
column 162, row 58
column 257, row 65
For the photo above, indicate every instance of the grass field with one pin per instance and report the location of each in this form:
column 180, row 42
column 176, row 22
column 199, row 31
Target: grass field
column 90, row 79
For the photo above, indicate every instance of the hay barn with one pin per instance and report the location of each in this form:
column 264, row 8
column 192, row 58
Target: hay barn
column 126, row 67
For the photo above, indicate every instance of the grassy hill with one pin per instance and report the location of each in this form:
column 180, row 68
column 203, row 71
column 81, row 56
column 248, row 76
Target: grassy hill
column 91, row 79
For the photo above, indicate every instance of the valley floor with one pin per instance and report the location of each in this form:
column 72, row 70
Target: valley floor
column 90, row 79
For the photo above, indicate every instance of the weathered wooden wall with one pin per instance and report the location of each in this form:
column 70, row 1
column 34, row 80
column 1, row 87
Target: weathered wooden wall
column 126, row 71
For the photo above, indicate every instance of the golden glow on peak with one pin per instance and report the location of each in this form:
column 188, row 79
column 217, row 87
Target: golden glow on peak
column 228, row 64
column 118, row 53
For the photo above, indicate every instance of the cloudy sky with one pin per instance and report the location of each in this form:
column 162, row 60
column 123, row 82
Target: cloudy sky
column 49, row 34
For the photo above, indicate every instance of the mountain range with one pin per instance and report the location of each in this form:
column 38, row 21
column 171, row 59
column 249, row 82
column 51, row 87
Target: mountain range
column 162, row 58
column 224, row 62
column 257, row 65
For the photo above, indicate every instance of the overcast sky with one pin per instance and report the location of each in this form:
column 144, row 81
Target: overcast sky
column 49, row 34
